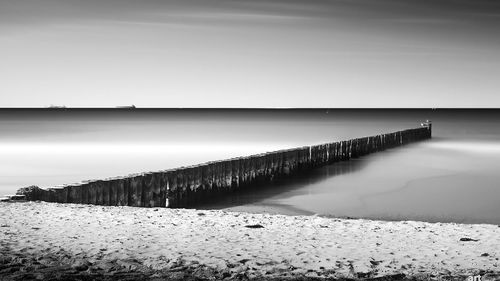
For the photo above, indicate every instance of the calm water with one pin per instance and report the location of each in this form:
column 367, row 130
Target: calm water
column 453, row 177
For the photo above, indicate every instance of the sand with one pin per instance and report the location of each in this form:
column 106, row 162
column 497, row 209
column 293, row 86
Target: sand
column 67, row 241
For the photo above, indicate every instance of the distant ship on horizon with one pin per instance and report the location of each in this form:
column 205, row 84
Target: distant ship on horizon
column 57, row 106
column 126, row 106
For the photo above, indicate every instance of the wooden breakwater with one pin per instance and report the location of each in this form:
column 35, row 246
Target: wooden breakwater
column 188, row 186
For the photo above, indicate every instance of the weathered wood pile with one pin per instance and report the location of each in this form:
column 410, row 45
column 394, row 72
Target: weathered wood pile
column 188, row 186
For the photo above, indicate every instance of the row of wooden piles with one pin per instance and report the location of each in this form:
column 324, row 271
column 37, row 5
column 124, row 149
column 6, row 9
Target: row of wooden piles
column 188, row 186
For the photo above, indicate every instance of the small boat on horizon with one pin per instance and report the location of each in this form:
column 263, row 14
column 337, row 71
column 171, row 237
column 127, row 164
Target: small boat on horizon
column 126, row 106
column 57, row 106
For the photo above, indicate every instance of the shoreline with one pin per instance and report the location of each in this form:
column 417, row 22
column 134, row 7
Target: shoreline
column 64, row 241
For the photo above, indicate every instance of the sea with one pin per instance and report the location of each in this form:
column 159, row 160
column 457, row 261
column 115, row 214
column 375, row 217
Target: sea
column 453, row 177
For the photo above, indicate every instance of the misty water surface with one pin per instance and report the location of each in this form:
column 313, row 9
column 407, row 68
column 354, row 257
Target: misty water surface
column 452, row 177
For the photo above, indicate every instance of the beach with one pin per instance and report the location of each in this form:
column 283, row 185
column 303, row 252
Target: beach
column 82, row 242
column 250, row 140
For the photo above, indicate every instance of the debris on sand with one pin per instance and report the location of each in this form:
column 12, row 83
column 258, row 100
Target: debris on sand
column 466, row 239
column 254, row 226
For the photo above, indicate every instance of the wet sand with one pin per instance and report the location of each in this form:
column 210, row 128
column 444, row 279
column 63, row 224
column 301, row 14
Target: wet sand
column 82, row 242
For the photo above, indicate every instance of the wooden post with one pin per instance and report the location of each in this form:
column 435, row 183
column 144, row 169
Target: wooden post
column 105, row 192
column 172, row 190
column 136, row 188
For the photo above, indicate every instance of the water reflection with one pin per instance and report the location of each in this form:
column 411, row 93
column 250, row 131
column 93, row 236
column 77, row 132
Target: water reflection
column 421, row 181
column 298, row 185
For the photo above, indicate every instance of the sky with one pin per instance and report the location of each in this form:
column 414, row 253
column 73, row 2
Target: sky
column 250, row 53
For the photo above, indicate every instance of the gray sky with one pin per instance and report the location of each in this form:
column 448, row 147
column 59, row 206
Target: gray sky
column 253, row 53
